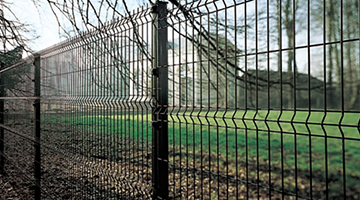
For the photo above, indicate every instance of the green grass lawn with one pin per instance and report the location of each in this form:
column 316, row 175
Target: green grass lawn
column 288, row 137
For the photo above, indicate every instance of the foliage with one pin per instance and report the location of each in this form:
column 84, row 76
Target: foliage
column 16, row 80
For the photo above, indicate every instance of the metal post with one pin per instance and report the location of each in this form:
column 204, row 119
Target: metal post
column 2, row 94
column 160, row 106
column 37, row 161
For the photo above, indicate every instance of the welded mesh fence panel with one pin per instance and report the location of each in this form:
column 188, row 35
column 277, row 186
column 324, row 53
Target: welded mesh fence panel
column 264, row 99
column 17, row 127
column 96, row 113
column 216, row 99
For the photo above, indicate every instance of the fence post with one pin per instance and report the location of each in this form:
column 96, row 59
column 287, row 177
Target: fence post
column 37, row 160
column 2, row 90
column 160, row 103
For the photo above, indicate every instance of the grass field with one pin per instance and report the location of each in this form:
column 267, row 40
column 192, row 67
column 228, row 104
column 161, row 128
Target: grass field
column 253, row 137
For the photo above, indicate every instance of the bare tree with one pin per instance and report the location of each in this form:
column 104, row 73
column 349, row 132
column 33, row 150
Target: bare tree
column 13, row 32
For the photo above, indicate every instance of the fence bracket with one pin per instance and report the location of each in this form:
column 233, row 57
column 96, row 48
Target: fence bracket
column 155, row 72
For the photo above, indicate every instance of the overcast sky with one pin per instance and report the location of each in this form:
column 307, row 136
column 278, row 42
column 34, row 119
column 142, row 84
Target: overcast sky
column 42, row 21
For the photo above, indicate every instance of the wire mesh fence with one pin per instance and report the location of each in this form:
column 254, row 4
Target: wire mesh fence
column 194, row 100
column 18, row 147
column 96, row 104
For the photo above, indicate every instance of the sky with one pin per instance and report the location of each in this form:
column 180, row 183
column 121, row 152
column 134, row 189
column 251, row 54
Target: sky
column 41, row 19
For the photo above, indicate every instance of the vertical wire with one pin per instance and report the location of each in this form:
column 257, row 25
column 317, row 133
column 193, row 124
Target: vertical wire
column 268, row 90
column 72, row 98
column 257, row 101
column 129, row 104
column 142, row 99
column 79, row 106
column 114, row 116
column 309, row 95
column 68, row 128
column 113, row 113
column 226, row 106
column 106, row 121
column 281, row 98
column 281, row 102
column 92, row 106
column 94, row 111
column 58, row 105
column 80, row 109
column 110, row 110
column 104, row 108
column 69, row 98
column 118, row 117
column 98, row 107
column 138, row 102
column 102, row 104
column 72, row 94
column 194, row 79
column 217, row 100
column 64, row 113
column 122, row 76
column 148, row 94
column 132, row 103
column 127, row 60
column 125, row 87
column 149, row 111
column 294, row 97
column 172, row 166
column 342, row 95
column 186, row 110
column 325, row 102
column 85, row 59
column 66, row 103
column 174, row 104
column 246, row 102
column 100, row 96
column 75, row 87
column 125, row 90
column 122, row 91
column 103, row 122
column 236, row 105
column 88, row 103
column 179, row 109
column 200, row 62
column 209, row 99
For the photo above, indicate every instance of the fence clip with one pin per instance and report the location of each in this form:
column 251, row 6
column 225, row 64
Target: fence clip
column 156, row 124
column 155, row 72
column 155, row 9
